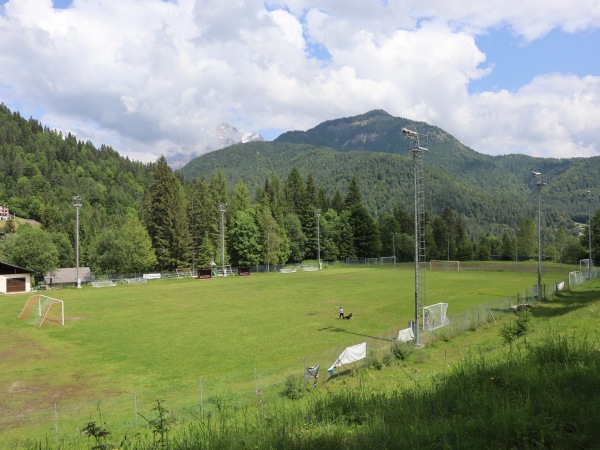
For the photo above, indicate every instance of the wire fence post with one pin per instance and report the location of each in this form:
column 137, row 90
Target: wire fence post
column 56, row 424
column 201, row 401
column 135, row 407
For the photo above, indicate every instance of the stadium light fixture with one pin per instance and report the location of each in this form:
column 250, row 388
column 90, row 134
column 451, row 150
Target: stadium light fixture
column 318, row 214
column 591, row 263
column 409, row 133
column 539, row 181
column 77, row 204
column 222, row 207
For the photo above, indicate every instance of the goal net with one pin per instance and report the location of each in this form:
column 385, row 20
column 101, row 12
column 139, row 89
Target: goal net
column 40, row 308
column 434, row 316
column 438, row 264
column 388, row 259
column 184, row 273
column 576, row 279
column 131, row 281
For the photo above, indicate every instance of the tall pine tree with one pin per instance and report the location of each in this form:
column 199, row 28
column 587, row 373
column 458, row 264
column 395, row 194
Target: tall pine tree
column 166, row 220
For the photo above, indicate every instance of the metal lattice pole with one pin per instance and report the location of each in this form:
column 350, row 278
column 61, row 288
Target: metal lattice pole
column 222, row 207
column 416, row 150
column 591, row 263
column 539, row 181
column 318, row 214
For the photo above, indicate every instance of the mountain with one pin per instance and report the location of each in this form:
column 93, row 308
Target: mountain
column 485, row 189
column 224, row 135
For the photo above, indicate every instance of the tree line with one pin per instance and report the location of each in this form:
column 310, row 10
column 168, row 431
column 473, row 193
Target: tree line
column 184, row 224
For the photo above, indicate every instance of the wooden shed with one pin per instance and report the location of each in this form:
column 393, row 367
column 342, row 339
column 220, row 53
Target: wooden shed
column 14, row 279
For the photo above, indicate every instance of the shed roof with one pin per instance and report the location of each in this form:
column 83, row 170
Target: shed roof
column 11, row 269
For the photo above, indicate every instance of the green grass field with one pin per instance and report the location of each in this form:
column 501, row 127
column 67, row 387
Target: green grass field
column 235, row 334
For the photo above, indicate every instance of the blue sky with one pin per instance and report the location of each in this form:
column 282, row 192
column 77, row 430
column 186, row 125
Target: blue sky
column 158, row 77
column 516, row 62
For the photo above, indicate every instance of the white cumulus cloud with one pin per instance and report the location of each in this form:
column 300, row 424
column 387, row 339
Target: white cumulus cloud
column 157, row 77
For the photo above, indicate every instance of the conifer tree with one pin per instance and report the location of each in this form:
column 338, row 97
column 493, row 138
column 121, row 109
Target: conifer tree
column 166, row 220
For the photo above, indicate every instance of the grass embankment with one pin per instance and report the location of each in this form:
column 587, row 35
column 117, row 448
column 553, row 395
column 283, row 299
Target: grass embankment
column 158, row 340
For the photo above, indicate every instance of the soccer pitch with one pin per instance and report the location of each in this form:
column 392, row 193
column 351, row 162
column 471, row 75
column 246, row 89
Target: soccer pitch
column 161, row 338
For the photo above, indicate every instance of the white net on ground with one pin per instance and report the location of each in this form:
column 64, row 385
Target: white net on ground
column 434, row 316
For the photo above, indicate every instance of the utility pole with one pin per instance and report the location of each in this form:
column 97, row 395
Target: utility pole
column 77, row 204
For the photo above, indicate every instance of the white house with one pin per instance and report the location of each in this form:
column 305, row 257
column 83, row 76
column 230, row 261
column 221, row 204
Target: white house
column 4, row 212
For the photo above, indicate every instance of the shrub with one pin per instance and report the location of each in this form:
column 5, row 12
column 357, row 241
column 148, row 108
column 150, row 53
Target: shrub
column 402, row 350
column 516, row 328
column 295, row 387
column 387, row 359
column 374, row 361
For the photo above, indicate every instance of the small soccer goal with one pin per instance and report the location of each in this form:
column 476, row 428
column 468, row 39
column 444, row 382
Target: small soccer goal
column 576, row 279
column 440, row 264
column 186, row 272
column 135, row 281
column 387, row 260
column 40, row 308
column 434, row 316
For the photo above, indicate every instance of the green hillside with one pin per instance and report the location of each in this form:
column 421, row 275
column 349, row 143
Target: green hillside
column 485, row 189
column 42, row 169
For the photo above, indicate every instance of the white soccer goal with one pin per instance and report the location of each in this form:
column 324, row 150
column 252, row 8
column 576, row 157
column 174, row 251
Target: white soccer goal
column 131, row 281
column 184, row 273
column 576, row 279
column 440, row 264
column 434, row 316
column 40, row 308
column 103, row 283
column 388, row 259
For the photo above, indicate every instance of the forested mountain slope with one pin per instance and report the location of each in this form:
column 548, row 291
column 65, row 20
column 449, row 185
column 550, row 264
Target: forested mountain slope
column 41, row 170
column 485, row 189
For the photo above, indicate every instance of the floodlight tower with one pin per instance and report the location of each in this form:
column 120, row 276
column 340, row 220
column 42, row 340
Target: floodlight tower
column 418, row 146
column 591, row 263
column 539, row 181
column 318, row 214
column 222, row 207
column 394, row 247
column 77, row 205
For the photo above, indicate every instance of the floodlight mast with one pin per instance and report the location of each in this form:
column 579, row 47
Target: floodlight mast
column 222, row 207
column 539, row 181
column 591, row 263
column 77, row 204
column 417, row 150
column 318, row 214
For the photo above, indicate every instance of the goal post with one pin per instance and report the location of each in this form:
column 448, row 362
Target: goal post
column 434, row 316
column 440, row 264
column 41, row 308
column 575, row 279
